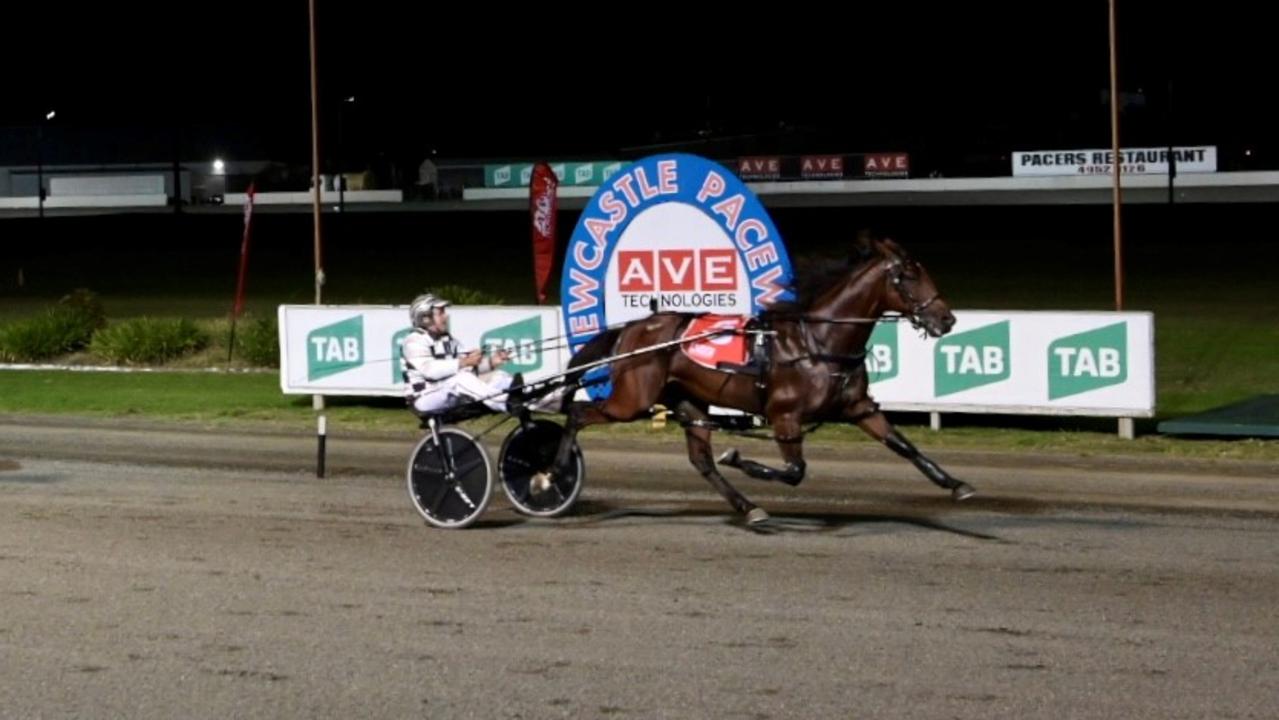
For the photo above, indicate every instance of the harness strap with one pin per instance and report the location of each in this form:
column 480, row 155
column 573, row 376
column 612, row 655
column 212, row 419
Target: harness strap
column 874, row 408
column 857, row 359
column 841, row 360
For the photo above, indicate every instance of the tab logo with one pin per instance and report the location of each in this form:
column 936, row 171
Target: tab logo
column 397, row 355
column 335, row 348
column 526, row 174
column 881, row 353
column 523, row 340
column 1088, row 361
column 502, row 175
column 972, row 359
column 583, row 174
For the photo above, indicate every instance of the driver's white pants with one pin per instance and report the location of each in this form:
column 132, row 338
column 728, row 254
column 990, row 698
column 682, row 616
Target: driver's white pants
column 463, row 388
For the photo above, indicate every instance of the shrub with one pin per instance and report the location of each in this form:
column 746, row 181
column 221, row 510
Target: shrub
column 61, row 329
column 257, row 341
column 147, row 340
column 462, row 295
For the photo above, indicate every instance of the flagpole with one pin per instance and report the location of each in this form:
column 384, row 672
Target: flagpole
column 317, row 401
column 1127, row 427
column 237, row 306
column 1117, row 165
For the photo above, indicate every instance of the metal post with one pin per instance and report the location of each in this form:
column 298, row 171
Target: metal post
column 321, row 435
column 934, row 420
column 317, row 401
column 1125, row 424
column 1127, row 428
column 315, row 162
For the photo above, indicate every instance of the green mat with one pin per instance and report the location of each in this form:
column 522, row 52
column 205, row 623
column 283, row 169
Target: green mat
column 1254, row 417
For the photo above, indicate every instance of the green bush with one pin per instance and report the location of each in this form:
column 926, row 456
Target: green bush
column 50, row 334
column 85, row 305
column 147, row 340
column 63, row 328
column 257, row 341
column 462, row 295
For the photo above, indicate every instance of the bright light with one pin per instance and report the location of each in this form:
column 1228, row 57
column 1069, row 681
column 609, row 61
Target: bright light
column 49, row 115
column 219, row 167
column 350, row 99
column 1248, row 152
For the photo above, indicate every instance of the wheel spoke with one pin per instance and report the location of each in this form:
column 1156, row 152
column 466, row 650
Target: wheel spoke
column 515, row 460
column 466, row 468
column 439, row 498
column 465, row 498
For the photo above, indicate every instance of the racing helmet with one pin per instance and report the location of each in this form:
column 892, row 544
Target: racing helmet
column 421, row 307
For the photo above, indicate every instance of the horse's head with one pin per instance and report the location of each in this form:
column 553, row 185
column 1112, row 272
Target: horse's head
column 910, row 290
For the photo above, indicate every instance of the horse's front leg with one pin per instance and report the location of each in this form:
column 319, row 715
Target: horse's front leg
column 868, row 417
column 698, row 435
column 788, row 434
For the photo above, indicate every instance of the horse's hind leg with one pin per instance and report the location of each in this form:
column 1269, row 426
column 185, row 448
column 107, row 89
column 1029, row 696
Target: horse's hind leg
column 699, row 453
column 878, row 427
column 624, row 405
column 790, row 440
column 577, row 416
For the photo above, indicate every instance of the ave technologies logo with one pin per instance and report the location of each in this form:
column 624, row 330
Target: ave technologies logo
column 1088, row 361
column 675, row 232
column 971, row 359
column 335, row 348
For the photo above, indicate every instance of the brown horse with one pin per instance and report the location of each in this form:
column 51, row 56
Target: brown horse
column 816, row 372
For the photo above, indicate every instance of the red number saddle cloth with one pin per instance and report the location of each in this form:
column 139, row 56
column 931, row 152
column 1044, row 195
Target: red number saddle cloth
column 709, row 352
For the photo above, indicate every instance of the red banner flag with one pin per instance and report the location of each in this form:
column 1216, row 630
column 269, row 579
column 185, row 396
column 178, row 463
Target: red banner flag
column 238, row 308
column 542, row 203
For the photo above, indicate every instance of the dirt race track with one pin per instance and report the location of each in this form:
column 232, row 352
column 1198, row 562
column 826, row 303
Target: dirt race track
column 151, row 573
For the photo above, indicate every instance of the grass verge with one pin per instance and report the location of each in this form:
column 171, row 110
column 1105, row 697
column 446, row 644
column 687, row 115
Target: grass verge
column 240, row 400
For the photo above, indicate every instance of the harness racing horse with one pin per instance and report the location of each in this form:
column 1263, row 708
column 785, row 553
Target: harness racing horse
column 815, row 373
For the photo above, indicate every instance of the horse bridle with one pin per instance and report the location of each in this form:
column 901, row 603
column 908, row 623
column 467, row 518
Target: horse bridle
column 896, row 272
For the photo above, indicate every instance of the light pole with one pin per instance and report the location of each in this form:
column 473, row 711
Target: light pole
column 40, row 160
column 341, row 174
column 1117, row 165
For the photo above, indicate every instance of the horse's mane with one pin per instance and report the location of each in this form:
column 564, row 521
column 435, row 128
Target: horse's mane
column 813, row 275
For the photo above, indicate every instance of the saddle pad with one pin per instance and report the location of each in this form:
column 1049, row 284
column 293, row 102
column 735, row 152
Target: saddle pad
column 726, row 348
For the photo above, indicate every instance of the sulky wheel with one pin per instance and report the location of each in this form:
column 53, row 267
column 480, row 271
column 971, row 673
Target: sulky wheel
column 529, row 451
column 450, row 483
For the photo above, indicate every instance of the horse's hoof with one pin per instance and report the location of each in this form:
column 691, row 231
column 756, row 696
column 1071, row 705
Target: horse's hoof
column 962, row 491
column 729, row 457
column 757, row 516
column 539, row 483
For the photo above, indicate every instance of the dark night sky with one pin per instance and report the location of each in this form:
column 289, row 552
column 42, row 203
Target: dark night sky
column 941, row 78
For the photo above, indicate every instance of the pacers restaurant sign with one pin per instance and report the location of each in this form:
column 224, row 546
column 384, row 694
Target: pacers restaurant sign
column 678, row 232
column 1133, row 161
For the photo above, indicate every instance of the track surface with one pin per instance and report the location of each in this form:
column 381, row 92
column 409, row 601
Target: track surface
column 180, row 574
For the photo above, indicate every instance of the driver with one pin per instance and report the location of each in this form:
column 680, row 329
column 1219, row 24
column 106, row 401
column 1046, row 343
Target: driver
column 438, row 373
